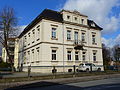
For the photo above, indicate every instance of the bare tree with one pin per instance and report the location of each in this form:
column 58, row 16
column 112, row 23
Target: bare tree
column 106, row 55
column 116, row 52
column 8, row 21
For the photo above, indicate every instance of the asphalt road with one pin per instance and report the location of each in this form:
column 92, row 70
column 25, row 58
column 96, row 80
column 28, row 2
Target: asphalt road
column 104, row 84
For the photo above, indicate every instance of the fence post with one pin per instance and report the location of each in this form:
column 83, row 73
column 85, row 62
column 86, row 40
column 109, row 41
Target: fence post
column 54, row 72
column 29, row 71
column 74, row 68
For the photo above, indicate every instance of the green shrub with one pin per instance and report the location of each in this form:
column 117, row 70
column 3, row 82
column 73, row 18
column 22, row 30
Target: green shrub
column 5, row 65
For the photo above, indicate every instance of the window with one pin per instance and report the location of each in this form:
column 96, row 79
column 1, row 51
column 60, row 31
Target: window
column 83, row 37
column 28, row 34
column 24, row 57
column 94, row 56
column 37, row 49
column 82, row 21
column 33, row 31
column 76, row 55
column 37, row 55
column 83, row 56
column 75, row 18
column 68, row 17
column 76, row 36
column 68, row 35
column 93, row 39
column 53, row 32
column 53, row 54
column 69, row 55
column 25, row 38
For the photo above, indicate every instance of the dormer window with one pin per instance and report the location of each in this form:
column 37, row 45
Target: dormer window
column 82, row 21
column 75, row 18
column 68, row 17
column 92, row 24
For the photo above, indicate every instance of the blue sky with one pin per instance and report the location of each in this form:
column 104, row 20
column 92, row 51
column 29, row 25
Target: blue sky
column 105, row 13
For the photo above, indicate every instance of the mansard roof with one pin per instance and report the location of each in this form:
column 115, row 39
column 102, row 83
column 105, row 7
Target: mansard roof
column 53, row 16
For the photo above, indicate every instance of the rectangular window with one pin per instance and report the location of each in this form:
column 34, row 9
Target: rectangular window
column 28, row 34
column 93, row 39
column 94, row 56
column 69, row 55
column 82, row 21
column 68, row 35
column 53, row 32
column 75, row 18
column 83, row 37
column 25, row 38
column 76, row 36
column 83, row 56
column 53, row 54
column 76, row 55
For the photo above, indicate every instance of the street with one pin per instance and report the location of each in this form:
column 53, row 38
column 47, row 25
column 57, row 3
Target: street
column 104, row 84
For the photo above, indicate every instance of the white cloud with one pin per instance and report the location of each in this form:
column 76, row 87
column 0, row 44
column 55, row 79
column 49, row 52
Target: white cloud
column 111, row 42
column 21, row 28
column 99, row 11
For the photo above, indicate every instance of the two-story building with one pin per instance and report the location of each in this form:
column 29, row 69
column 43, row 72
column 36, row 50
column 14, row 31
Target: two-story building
column 61, row 39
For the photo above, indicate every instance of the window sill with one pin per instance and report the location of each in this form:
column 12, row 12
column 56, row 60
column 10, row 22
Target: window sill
column 54, row 38
column 38, row 39
column 94, row 43
column 95, row 61
column 69, row 40
column 33, row 42
column 84, row 42
column 54, row 61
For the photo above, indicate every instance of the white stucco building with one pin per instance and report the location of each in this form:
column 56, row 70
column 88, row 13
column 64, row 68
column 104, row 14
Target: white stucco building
column 60, row 39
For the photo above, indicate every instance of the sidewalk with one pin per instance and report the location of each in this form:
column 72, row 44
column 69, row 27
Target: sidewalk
column 42, row 83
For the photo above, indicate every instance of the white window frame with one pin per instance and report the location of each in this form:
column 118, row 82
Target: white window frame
column 54, row 55
column 84, row 55
column 83, row 37
column 69, row 55
column 54, row 33
column 77, row 55
column 68, row 35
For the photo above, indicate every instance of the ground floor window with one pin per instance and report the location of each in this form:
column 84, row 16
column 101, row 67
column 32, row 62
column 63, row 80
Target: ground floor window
column 53, row 54
column 94, row 55
column 83, row 56
column 76, row 55
column 69, row 55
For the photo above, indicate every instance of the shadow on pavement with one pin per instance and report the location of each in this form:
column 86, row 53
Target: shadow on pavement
column 57, row 86
column 44, row 85
column 115, row 86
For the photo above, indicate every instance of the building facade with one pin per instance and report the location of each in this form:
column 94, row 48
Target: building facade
column 11, row 46
column 61, row 39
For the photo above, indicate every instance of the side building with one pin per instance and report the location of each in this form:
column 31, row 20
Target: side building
column 61, row 39
column 13, row 50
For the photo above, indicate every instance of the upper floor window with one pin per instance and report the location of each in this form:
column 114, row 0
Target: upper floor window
column 69, row 55
column 75, row 18
column 28, row 34
column 76, row 36
column 76, row 55
column 33, row 31
column 83, row 37
column 53, row 54
column 93, row 39
column 82, row 21
column 68, row 35
column 68, row 17
column 53, row 32
column 25, row 38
